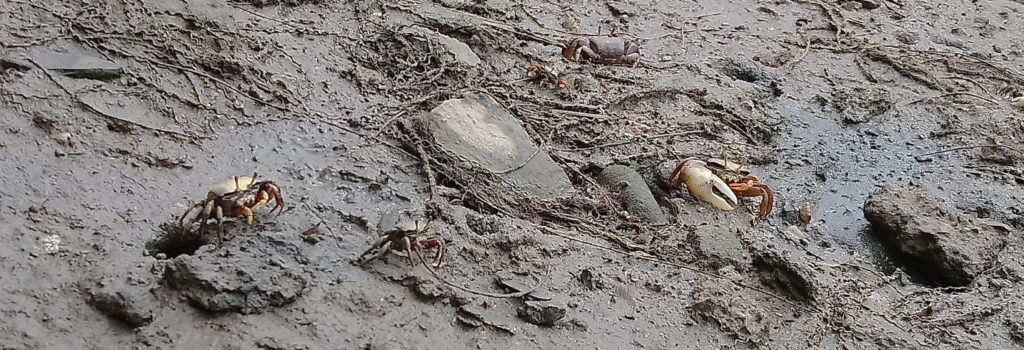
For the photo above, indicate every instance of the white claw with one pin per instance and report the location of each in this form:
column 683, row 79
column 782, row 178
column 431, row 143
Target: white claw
column 701, row 182
column 1018, row 101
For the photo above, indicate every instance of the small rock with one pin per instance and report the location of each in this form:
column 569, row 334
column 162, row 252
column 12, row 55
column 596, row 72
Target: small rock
column 123, row 304
column 794, row 234
column 622, row 8
column 458, row 50
column 950, row 247
column 78, row 65
column 907, row 37
column 633, row 192
column 542, row 313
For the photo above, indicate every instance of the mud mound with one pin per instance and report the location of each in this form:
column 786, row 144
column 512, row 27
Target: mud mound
column 245, row 275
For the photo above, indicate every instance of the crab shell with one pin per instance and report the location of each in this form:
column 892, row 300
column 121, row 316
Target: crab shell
column 602, row 49
column 230, row 185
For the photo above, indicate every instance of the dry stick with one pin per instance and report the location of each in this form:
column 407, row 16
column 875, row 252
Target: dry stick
column 520, row 165
column 681, row 266
column 954, row 149
column 807, row 49
column 431, row 180
column 684, row 133
column 955, row 94
column 471, row 291
column 93, row 109
column 368, row 137
column 389, row 121
column 218, row 81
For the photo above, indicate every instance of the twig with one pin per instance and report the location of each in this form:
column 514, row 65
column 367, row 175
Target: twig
column 955, row 94
column 93, row 109
column 389, row 121
column 647, row 138
column 954, row 149
column 517, row 167
column 581, row 114
column 431, row 180
column 368, row 137
column 218, row 81
column 471, row 291
column 807, row 49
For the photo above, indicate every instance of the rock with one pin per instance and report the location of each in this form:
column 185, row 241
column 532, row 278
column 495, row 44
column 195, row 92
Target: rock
column 13, row 63
column 907, row 37
column 633, row 192
column 862, row 103
column 123, row 303
column 78, row 65
column 542, row 313
column 783, row 273
column 272, row 343
column 622, row 8
column 237, row 277
column 513, row 284
column 457, row 50
column 952, row 247
column 719, row 246
column 482, row 133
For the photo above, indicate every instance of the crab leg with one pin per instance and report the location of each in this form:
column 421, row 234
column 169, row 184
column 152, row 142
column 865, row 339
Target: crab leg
column 408, row 250
column 750, row 189
column 220, row 225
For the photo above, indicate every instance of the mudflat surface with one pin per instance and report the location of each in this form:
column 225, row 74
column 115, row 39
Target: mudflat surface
column 825, row 101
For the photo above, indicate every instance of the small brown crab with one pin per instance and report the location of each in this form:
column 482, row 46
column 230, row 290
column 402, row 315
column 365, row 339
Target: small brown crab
column 408, row 237
column 539, row 73
column 730, row 178
column 231, row 198
column 603, row 49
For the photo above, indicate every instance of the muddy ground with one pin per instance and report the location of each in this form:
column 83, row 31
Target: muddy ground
column 827, row 102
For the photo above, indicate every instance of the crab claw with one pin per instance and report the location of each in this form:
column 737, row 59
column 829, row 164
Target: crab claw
column 1018, row 101
column 701, row 182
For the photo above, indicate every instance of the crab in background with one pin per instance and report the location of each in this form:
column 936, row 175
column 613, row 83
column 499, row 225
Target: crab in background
column 233, row 198
column 406, row 237
column 729, row 178
column 603, row 49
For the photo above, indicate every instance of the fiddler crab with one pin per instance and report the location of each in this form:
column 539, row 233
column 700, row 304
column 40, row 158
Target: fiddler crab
column 406, row 237
column 730, row 178
column 233, row 198
column 540, row 73
column 603, row 49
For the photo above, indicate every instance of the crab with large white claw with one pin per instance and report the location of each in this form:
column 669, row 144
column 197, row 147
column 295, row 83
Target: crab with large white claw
column 701, row 182
column 239, row 196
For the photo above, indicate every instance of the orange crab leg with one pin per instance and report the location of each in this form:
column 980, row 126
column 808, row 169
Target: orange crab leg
column 750, row 188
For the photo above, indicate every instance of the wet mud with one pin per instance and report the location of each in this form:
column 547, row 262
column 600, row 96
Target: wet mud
column 118, row 116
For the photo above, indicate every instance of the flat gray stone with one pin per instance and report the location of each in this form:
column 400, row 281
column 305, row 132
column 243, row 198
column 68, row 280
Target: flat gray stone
column 78, row 65
column 480, row 132
column 458, row 50
column 633, row 192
